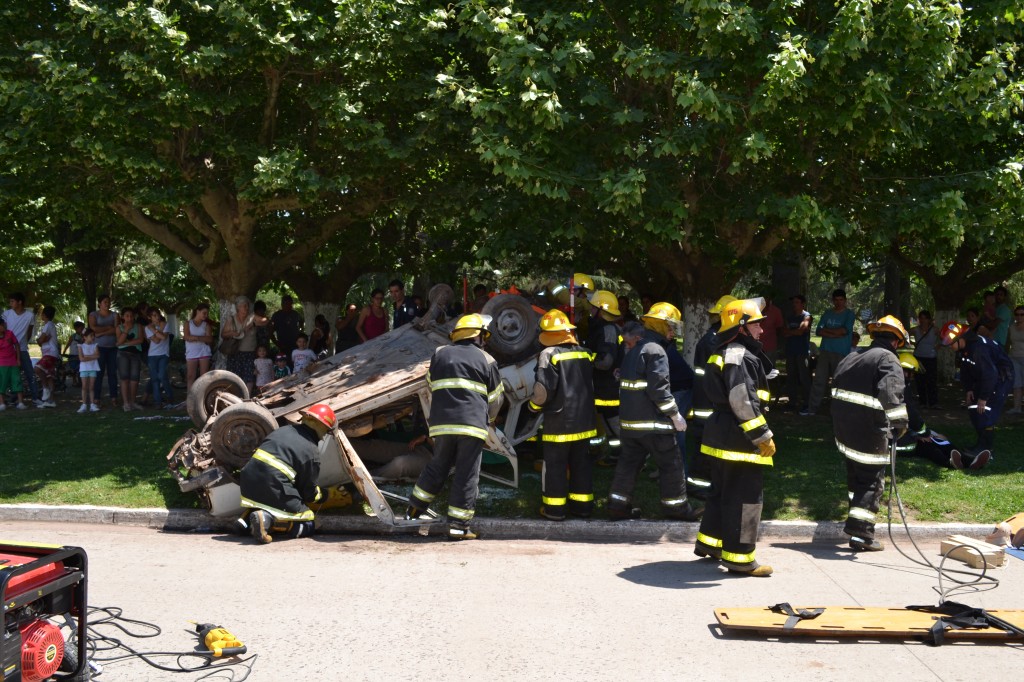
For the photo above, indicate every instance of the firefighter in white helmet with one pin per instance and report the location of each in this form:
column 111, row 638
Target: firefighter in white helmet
column 737, row 441
column 465, row 396
column 868, row 413
column 564, row 391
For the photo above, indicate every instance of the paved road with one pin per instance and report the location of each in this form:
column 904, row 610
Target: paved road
column 338, row 607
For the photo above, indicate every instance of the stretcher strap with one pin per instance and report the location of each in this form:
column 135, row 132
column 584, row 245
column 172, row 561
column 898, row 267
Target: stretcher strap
column 795, row 616
column 962, row 617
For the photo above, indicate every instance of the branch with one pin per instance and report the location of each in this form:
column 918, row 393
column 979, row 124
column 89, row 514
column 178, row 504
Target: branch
column 158, row 231
column 273, row 79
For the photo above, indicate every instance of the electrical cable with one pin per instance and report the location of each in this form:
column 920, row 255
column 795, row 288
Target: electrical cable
column 104, row 648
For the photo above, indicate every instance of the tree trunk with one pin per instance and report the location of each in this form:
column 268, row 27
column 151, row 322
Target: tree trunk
column 226, row 306
column 96, row 268
column 310, row 309
column 696, row 323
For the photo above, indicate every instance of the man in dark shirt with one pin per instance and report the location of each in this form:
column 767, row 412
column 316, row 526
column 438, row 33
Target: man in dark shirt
column 286, row 324
column 797, row 334
column 405, row 309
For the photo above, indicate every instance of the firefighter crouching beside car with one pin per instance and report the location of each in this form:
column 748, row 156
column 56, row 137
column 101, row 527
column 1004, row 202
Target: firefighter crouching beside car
column 603, row 341
column 737, row 441
column 563, row 390
column 465, row 396
column 280, row 478
column 868, row 411
column 649, row 419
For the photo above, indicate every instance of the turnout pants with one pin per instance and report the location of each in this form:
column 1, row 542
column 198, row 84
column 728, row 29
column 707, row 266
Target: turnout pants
column 567, row 480
column 985, row 423
column 698, row 477
column 465, row 453
column 665, row 451
column 732, row 515
column 937, row 451
column 864, row 483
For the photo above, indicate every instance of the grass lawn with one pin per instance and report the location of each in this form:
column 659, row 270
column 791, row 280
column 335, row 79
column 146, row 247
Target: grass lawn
column 56, row 456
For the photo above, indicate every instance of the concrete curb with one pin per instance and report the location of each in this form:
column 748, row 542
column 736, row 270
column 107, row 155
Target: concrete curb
column 194, row 520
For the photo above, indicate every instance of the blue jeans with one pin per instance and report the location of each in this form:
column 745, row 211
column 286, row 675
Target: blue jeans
column 108, row 367
column 158, row 378
column 30, row 376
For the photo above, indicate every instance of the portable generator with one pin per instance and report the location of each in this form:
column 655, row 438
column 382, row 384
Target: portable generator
column 40, row 584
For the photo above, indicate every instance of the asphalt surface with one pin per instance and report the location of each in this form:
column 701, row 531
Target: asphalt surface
column 343, row 606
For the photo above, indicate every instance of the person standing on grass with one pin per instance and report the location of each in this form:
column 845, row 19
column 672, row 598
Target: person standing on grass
column 869, row 412
column 21, row 322
column 89, row 367
column 926, row 341
column 836, row 331
column 198, row 336
column 285, row 326
column 10, row 366
column 71, row 352
column 1015, row 341
column 46, row 368
column 158, row 357
column 103, row 322
column 130, row 336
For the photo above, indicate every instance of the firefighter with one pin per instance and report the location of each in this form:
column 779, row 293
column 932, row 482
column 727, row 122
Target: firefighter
column 564, row 391
column 603, row 341
column 868, row 411
column 737, row 440
column 698, row 480
column 281, row 477
column 924, row 442
column 649, row 419
column 986, row 373
column 465, row 396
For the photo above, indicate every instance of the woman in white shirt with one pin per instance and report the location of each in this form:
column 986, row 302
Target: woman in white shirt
column 198, row 336
column 158, row 357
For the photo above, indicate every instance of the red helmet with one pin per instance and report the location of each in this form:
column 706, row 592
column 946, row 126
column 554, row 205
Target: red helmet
column 951, row 331
column 321, row 413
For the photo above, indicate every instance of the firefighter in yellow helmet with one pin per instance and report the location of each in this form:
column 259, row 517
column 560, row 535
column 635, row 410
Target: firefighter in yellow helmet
column 603, row 341
column 563, row 391
column 737, row 441
column 465, row 396
column 868, row 413
column 649, row 420
column 698, row 481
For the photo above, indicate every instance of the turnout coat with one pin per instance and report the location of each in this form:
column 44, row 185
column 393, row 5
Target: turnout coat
column 282, row 474
column 868, row 406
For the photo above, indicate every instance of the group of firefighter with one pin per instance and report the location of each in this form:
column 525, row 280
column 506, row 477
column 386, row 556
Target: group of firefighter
column 621, row 377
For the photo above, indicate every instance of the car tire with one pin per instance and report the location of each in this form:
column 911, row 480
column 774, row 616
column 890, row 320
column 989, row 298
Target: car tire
column 513, row 328
column 237, row 431
column 217, row 384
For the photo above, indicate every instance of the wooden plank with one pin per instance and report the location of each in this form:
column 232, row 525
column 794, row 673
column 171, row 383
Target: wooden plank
column 858, row 621
column 975, row 553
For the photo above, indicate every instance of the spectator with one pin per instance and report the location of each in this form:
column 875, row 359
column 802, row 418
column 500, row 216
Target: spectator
column 480, row 299
column 836, row 332
column 973, row 316
column 281, row 368
column 198, row 336
column 405, row 309
column 130, row 336
column 262, row 324
column 10, row 366
column 71, row 351
column 798, row 349
column 772, row 327
column 302, row 356
column 89, row 367
column 989, row 304
column 46, row 368
column 241, row 325
column 103, row 322
column 285, row 324
column 157, row 358
column 345, row 328
column 627, row 313
column 926, row 339
column 21, row 322
column 320, row 339
column 372, row 320
column 1016, row 352
column 264, row 367
column 1003, row 314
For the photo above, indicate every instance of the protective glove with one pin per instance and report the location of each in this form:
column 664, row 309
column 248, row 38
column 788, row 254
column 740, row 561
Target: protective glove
column 679, row 422
column 772, row 374
column 767, row 448
column 318, row 496
column 899, row 429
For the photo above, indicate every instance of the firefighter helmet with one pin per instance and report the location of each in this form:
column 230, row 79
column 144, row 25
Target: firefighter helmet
column 741, row 311
column 889, row 324
column 581, row 281
column 720, row 304
column 664, row 311
column 471, row 325
column 951, row 331
column 908, row 361
column 605, row 301
column 555, row 320
column 320, row 414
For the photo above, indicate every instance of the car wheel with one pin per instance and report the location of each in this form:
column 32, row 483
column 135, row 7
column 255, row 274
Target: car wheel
column 211, row 392
column 513, row 327
column 237, row 431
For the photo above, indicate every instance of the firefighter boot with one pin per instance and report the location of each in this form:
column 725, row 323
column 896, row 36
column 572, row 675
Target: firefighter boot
column 259, row 525
column 459, row 530
column 622, row 511
column 682, row 512
column 754, row 569
column 301, row 529
column 552, row 513
column 707, row 551
column 864, row 545
column 240, row 526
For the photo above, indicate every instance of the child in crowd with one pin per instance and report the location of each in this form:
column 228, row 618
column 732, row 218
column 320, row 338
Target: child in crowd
column 10, row 366
column 158, row 357
column 89, row 367
column 71, row 352
column 302, row 355
column 46, row 368
column 264, row 368
column 281, row 368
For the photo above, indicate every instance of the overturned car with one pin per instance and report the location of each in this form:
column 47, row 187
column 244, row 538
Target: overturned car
column 370, row 387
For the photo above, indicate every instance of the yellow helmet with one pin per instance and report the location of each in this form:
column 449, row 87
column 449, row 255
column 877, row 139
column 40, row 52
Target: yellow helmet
column 555, row 320
column 581, row 281
column 720, row 304
column 605, row 301
column 741, row 312
column 908, row 361
column 664, row 311
column 469, row 326
column 891, row 325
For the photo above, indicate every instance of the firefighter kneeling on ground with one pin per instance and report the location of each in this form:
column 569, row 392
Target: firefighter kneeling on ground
column 737, row 441
column 868, row 412
column 281, row 477
column 564, row 391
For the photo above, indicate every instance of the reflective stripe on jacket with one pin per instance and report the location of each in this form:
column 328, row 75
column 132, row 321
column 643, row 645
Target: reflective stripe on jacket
column 646, row 403
column 734, row 380
column 465, row 390
column 564, row 390
column 281, row 476
column 867, row 404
